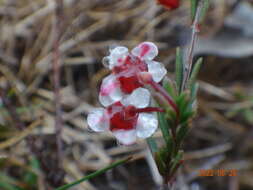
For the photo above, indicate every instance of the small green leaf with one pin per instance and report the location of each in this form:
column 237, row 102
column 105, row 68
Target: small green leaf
column 179, row 69
column 31, row 178
column 170, row 116
column 7, row 186
column 152, row 144
column 164, row 127
column 195, row 72
column 176, row 162
column 182, row 131
column 180, row 98
column 178, row 157
column 194, row 90
column 11, row 93
column 248, row 115
column 183, row 102
column 168, row 85
column 94, row 174
column 159, row 160
column 184, row 106
column 204, row 10
column 194, row 4
column 186, row 116
column 8, row 183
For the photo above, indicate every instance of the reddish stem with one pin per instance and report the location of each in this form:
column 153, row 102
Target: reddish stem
column 195, row 31
column 149, row 109
column 163, row 92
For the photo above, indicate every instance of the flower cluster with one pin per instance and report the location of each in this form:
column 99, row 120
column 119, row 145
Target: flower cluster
column 127, row 113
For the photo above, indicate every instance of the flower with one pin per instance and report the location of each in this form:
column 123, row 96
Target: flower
column 170, row 4
column 125, row 68
column 125, row 121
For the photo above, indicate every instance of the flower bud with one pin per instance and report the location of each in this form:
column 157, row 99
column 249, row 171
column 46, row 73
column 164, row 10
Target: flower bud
column 169, row 4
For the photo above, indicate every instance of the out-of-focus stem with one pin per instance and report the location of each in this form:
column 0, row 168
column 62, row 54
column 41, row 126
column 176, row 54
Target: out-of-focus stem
column 56, row 75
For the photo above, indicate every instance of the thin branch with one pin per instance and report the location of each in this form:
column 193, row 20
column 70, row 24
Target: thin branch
column 195, row 31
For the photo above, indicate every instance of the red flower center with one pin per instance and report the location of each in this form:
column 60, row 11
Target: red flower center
column 122, row 117
column 125, row 117
column 127, row 73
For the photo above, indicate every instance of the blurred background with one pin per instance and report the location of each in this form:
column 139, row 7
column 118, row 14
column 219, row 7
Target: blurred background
column 221, row 135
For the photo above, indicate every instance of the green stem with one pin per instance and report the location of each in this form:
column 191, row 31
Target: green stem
column 94, row 174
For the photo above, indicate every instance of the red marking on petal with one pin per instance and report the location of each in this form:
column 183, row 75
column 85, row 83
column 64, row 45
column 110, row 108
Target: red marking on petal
column 120, row 60
column 105, row 91
column 127, row 73
column 129, row 84
column 125, row 117
column 170, row 4
column 121, row 117
column 145, row 48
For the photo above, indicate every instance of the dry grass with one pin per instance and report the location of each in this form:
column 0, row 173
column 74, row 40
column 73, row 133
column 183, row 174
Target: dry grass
column 222, row 133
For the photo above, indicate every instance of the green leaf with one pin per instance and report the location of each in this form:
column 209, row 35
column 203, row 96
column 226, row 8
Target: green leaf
column 152, row 144
column 159, row 160
column 186, row 116
column 31, row 178
column 184, row 106
column 182, row 131
column 168, row 85
column 94, row 174
column 164, row 127
column 204, row 10
column 195, row 72
column 182, row 102
column 170, row 116
column 179, row 69
column 248, row 115
column 194, row 4
column 8, row 183
column 7, row 186
column 194, row 90
column 176, row 162
column 177, row 158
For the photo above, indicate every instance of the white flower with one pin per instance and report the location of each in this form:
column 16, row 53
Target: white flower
column 126, row 121
column 125, row 66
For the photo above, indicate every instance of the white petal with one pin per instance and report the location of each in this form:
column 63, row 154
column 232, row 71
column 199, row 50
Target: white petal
column 117, row 56
column 157, row 70
column 98, row 120
column 146, row 125
column 145, row 50
column 126, row 137
column 139, row 98
column 110, row 91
